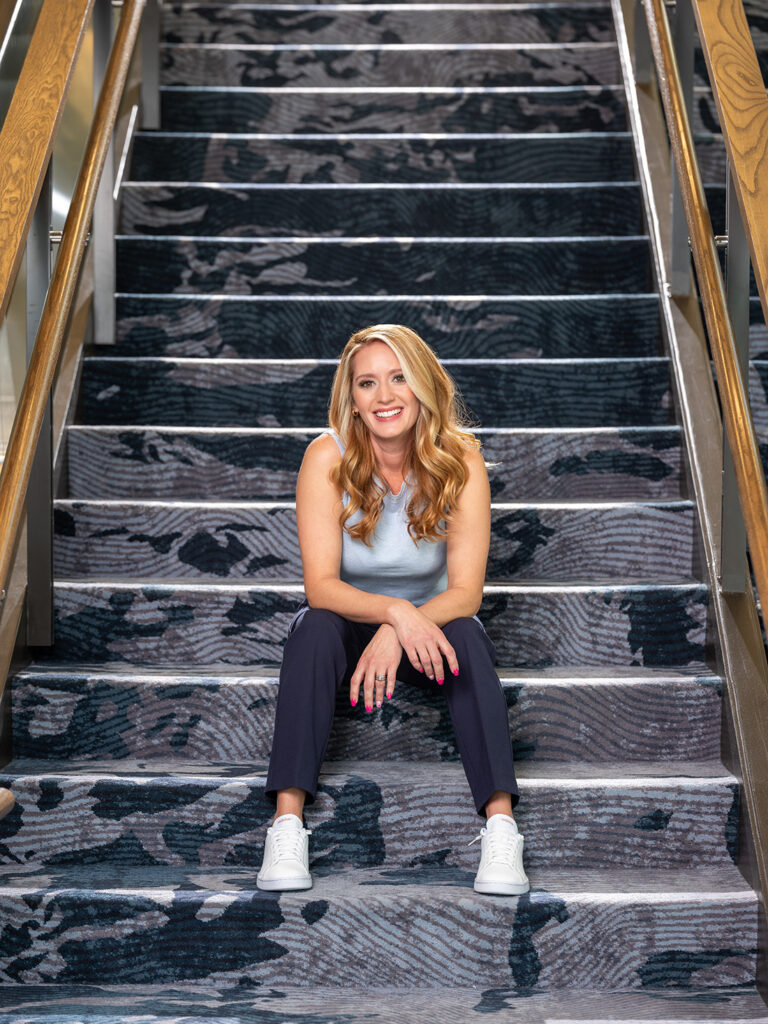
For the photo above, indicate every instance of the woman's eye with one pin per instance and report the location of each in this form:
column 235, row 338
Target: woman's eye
column 364, row 383
column 400, row 378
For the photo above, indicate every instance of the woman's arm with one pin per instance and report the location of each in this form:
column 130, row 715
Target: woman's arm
column 469, row 536
column 318, row 511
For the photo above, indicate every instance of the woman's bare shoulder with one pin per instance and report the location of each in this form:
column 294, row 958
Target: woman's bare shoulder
column 322, row 451
column 473, row 458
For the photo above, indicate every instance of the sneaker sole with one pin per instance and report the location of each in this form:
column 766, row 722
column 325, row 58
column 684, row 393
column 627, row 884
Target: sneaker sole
column 284, row 884
column 502, row 888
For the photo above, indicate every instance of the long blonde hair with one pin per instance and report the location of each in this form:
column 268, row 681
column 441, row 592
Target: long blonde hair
column 435, row 463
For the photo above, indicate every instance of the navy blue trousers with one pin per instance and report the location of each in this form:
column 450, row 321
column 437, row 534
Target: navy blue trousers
column 320, row 655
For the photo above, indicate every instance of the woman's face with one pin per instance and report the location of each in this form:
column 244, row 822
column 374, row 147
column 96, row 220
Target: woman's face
column 380, row 393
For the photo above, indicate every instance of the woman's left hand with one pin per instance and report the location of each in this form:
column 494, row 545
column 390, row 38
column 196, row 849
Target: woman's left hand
column 380, row 658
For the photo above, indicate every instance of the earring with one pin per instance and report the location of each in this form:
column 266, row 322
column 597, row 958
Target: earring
column 355, row 412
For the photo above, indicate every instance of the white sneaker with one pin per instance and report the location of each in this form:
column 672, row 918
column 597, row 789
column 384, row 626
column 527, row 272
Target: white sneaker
column 286, row 856
column 501, row 871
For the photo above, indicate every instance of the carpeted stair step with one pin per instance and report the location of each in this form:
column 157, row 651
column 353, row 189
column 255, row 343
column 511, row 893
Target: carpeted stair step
column 463, row 210
column 204, row 1002
column 629, row 463
column 390, row 64
column 359, row 265
column 566, row 542
column 400, row 815
column 589, row 930
column 78, row 712
column 166, row 622
column 285, row 109
column 309, row 326
column 406, row 158
column 252, row 393
column 429, row 23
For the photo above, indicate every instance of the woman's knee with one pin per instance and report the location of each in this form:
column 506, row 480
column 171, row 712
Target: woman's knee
column 468, row 635
column 319, row 629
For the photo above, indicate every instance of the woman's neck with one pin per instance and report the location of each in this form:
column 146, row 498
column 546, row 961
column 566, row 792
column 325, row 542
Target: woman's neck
column 390, row 462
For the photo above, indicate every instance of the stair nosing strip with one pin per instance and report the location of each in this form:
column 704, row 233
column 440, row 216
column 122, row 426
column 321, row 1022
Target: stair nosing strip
column 373, row 240
column 162, row 583
column 510, row 506
column 388, row 136
column 303, row 297
column 386, row 90
column 362, row 8
column 394, row 186
column 389, row 47
column 490, row 361
column 279, row 431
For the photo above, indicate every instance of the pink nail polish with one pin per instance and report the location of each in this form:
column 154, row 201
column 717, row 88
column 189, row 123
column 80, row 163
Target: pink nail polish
column 378, row 703
column 353, row 703
column 369, row 707
column 455, row 671
column 389, row 696
column 440, row 682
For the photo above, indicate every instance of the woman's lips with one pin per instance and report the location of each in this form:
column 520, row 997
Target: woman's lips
column 387, row 414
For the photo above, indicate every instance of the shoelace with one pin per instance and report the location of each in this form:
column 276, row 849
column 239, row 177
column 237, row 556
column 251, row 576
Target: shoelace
column 500, row 847
column 289, row 842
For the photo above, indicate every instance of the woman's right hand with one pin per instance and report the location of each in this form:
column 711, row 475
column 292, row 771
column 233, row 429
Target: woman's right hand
column 425, row 643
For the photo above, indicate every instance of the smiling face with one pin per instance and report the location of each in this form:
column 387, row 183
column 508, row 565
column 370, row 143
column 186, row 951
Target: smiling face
column 381, row 395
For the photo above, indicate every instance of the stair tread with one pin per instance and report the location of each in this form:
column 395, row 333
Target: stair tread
column 406, row 774
column 393, row 883
column 206, row 1003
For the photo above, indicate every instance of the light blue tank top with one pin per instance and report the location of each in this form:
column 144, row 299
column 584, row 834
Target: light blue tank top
column 393, row 565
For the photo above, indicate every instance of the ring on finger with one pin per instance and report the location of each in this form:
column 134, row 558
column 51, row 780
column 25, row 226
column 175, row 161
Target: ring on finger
column 381, row 679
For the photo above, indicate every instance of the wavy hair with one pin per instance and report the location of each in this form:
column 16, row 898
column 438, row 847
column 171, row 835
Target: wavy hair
column 434, row 466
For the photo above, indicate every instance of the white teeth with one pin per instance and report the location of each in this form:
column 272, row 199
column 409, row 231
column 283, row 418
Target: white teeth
column 388, row 413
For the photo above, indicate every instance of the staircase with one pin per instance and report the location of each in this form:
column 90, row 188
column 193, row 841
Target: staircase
column 465, row 170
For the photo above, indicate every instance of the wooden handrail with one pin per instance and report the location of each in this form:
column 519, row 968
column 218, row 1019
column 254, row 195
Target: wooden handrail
column 53, row 321
column 29, row 130
column 742, row 105
column 750, row 475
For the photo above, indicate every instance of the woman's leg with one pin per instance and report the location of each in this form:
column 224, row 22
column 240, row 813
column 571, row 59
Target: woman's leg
column 479, row 714
column 315, row 662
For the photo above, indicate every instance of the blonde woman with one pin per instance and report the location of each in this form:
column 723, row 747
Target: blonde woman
column 393, row 511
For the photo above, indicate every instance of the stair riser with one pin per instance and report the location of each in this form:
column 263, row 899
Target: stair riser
column 235, row 267
column 560, row 65
column 347, row 159
column 237, row 543
column 79, row 716
column 585, row 109
column 357, row 822
column 219, row 466
column 316, row 328
column 423, row 212
column 152, row 625
column 542, row 941
column 517, row 394
column 440, row 25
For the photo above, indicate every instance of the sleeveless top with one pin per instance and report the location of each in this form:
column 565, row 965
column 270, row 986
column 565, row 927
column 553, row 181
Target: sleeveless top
column 393, row 565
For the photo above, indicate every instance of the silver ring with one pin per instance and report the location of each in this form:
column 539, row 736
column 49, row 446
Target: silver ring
column 380, row 679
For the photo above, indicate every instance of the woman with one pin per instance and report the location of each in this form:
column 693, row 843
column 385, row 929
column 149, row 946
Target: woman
column 393, row 512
